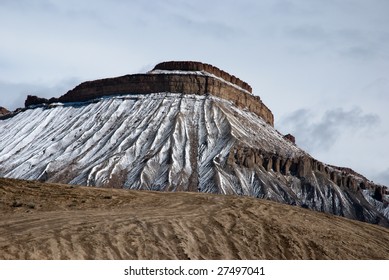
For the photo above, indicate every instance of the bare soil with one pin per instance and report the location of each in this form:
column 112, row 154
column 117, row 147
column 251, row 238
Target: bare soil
column 53, row 221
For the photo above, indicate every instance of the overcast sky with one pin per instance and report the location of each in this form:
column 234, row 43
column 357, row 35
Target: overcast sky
column 322, row 67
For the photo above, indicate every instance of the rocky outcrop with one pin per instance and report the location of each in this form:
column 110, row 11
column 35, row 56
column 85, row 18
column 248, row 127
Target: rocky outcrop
column 312, row 184
column 290, row 138
column 224, row 86
column 198, row 66
column 301, row 167
column 3, row 111
column 5, row 114
column 35, row 100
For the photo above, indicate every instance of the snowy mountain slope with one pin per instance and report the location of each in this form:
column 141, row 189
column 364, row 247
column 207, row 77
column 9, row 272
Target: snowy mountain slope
column 173, row 142
column 115, row 134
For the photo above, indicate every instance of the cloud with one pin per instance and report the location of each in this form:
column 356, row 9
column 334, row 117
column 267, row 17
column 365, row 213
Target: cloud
column 345, row 42
column 197, row 19
column 308, row 32
column 210, row 28
column 363, row 52
column 321, row 133
column 382, row 177
column 344, row 29
column 378, row 88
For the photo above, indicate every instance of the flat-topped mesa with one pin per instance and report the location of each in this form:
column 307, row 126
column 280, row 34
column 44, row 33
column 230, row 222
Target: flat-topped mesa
column 185, row 77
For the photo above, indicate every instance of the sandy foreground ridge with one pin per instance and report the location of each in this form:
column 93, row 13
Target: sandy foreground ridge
column 53, row 221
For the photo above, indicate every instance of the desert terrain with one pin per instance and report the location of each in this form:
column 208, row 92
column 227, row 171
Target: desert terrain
column 53, row 221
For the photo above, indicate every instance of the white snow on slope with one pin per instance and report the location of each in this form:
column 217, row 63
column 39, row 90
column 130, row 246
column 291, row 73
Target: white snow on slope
column 148, row 141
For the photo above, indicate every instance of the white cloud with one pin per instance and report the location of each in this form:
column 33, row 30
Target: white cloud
column 321, row 133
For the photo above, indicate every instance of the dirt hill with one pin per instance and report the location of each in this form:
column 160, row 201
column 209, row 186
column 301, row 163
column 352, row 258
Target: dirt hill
column 53, row 221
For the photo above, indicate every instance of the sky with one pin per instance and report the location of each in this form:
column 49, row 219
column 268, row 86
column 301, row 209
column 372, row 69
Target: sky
column 322, row 67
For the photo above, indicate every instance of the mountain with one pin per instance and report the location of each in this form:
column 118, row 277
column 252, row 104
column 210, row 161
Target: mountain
column 184, row 126
column 53, row 221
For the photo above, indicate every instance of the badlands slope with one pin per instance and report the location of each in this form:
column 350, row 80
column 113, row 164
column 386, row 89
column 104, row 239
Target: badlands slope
column 54, row 221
